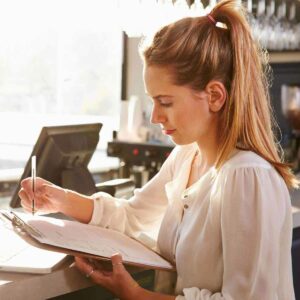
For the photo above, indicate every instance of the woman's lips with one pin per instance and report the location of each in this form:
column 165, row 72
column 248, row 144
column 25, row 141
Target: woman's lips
column 168, row 131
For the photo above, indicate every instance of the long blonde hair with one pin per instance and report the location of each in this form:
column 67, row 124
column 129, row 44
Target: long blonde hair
column 197, row 51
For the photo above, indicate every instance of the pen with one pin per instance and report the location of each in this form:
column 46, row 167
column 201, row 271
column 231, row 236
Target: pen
column 33, row 175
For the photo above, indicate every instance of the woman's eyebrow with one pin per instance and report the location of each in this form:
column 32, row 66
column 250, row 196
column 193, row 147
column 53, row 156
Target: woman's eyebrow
column 160, row 96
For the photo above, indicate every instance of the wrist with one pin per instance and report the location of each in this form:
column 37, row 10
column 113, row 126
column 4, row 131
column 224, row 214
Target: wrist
column 77, row 206
column 136, row 292
column 64, row 202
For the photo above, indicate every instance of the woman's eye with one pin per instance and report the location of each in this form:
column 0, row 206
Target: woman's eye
column 166, row 104
column 160, row 102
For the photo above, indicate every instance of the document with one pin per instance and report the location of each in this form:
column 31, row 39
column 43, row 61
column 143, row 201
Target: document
column 18, row 255
column 85, row 239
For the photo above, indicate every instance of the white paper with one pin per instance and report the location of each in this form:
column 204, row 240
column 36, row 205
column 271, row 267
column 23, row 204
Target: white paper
column 93, row 240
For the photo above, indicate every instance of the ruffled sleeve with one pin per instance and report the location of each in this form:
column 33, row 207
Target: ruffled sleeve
column 142, row 212
column 256, row 229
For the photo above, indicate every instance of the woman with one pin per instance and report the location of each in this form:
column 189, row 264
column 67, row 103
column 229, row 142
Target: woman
column 221, row 198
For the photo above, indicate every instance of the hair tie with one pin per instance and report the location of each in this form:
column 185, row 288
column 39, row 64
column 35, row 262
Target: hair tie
column 211, row 19
column 215, row 23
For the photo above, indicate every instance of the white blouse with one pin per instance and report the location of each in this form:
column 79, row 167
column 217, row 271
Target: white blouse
column 230, row 233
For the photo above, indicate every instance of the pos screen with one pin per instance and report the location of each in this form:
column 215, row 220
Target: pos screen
column 62, row 157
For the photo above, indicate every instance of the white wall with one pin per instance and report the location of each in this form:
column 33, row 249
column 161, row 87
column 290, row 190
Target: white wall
column 135, row 85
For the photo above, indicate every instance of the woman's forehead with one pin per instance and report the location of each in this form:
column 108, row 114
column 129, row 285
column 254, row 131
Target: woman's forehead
column 157, row 78
column 153, row 71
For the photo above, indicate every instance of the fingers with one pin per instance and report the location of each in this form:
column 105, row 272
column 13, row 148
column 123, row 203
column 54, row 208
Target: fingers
column 83, row 265
column 90, row 271
column 26, row 206
column 23, row 195
column 26, row 186
column 26, row 201
column 119, row 281
column 117, row 262
column 51, row 190
column 44, row 194
column 26, row 183
column 86, row 265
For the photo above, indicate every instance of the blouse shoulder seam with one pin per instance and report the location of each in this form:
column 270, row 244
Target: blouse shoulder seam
column 247, row 166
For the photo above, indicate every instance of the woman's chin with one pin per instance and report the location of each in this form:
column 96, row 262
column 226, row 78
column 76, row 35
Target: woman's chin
column 180, row 142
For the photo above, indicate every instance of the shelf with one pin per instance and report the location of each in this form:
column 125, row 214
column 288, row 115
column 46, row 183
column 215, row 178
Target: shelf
column 284, row 57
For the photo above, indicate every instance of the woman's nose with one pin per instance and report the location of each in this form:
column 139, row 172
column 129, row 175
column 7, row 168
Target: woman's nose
column 157, row 116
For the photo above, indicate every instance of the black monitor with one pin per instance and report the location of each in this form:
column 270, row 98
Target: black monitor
column 62, row 157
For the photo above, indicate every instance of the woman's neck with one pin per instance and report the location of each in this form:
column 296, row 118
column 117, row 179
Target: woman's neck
column 203, row 160
column 207, row 153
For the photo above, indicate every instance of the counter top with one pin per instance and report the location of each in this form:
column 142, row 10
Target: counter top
column 65, row 279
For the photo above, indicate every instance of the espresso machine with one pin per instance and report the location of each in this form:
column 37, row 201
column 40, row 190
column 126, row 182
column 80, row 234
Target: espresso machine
column 139, row 160
column 140, row 146
column 290, row 103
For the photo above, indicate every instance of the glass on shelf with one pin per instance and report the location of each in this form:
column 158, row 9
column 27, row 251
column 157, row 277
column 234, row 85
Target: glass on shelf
column 274, row 23
column 290, row 104
column 290, row 101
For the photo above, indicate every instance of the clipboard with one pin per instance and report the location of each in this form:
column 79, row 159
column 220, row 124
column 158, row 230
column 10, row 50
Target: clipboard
column 19, row 254
column 78, row 239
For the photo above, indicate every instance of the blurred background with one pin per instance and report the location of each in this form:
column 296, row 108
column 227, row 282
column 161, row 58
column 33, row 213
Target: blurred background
column 64, row 62
column 76, row 62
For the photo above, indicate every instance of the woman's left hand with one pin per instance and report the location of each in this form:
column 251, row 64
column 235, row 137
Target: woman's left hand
column 118, row 281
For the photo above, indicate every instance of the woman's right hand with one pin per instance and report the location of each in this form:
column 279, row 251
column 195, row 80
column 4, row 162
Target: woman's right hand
column 48, row 197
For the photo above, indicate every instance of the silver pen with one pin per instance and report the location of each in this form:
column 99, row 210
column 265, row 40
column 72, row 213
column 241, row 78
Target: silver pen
column 33, row 176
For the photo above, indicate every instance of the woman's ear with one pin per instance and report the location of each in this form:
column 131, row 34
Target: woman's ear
column 217, row 95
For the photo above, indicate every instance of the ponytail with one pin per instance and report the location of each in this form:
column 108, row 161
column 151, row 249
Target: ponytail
column 249, row 111
column 199, row 50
